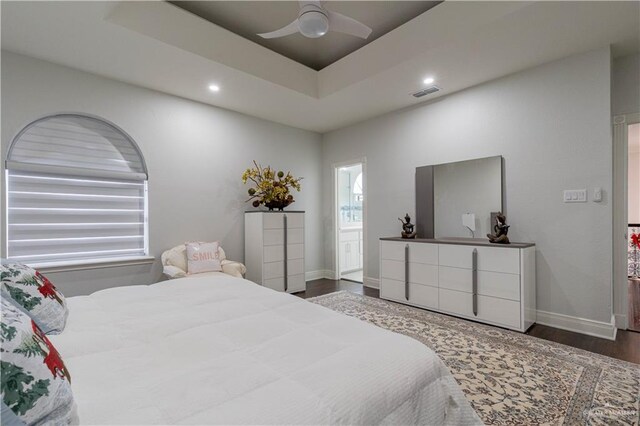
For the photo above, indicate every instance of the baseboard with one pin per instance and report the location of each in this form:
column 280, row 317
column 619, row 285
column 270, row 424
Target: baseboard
column 371, row 282
column 579, row 325
column 621, row 321
column 318, row 275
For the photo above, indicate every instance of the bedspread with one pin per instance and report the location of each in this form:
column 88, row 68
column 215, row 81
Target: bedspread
column 223, row 350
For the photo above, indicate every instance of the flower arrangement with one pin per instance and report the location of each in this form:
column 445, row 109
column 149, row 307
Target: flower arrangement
column 270, row 188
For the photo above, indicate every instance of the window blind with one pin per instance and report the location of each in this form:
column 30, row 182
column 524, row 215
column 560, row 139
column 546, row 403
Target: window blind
column 76, row 191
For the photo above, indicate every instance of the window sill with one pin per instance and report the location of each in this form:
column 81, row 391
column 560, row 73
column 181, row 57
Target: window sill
column 80, row 265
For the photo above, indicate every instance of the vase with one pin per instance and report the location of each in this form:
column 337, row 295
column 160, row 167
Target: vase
column 278, row 204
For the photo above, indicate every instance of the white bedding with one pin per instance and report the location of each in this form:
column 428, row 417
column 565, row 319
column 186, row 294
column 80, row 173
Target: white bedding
column 219, row 349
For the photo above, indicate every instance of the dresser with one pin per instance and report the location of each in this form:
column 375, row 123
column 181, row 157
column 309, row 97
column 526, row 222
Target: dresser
column 468, row 278
column 274, row 249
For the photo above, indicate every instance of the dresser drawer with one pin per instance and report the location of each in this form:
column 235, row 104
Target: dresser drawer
column 455, row 278
column 295, row 220
column 392, row 250
column 273, row 237
column 273, row 253
column 273, row 221
column 423, row 253
column 497, row 284
column 295, row 251
column 393, row 269
column 455, row 302
column 276, row 220
column 276, row 253
column 495, row 259
column 392, row 289
column 295, row 267
column 455, row 256
column 276, row 236
column 491, row 309
column 418, row 252
column 419, row 273
column 494, row 284
column 420, row 295
column 499, row 311
column 296, row 283
column 276, row 269
column 490, row 259
column 273, row 270
column 274, row 283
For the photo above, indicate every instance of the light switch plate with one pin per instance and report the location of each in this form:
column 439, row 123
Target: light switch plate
column 575, row 196
column 597, row 194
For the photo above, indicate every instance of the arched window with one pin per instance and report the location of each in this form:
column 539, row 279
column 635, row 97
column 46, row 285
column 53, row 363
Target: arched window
column 76, row 193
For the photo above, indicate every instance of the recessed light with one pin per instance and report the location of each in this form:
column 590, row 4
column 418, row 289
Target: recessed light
column 214, row 88
column 428, row 80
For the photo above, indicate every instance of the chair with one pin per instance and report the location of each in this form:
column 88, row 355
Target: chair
column 174, row 263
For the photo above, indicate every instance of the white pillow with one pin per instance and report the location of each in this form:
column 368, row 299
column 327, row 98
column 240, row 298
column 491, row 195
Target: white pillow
column 203, row 257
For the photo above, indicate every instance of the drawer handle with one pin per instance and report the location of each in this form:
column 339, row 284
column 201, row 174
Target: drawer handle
column 474, row 287
column 286, row 259
column 406, row 271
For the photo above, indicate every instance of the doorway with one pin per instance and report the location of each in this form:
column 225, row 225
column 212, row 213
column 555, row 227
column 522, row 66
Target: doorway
column 626, row 221
column 350, row 200
column 633, row 225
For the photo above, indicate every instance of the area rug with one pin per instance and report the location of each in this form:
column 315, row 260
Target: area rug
column 511, row 378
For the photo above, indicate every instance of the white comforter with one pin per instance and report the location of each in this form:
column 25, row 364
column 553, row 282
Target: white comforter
column 218, row 349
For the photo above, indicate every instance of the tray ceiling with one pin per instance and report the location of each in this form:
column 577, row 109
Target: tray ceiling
column 461, row 44
column 247, row 18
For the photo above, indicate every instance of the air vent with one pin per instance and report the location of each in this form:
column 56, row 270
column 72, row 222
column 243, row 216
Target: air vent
column 427, row 91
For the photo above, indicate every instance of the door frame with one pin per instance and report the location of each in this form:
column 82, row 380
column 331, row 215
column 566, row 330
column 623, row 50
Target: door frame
column 336, row 216
column 620, row 294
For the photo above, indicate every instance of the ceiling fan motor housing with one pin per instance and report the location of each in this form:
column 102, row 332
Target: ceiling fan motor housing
column 313, row 22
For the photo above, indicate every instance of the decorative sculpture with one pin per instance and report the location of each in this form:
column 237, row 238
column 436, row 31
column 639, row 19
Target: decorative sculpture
column 500, row 229
column 407, row 227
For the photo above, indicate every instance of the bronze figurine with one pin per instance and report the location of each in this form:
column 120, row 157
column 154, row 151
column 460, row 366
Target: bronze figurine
column 500, row 229
column 407, row 227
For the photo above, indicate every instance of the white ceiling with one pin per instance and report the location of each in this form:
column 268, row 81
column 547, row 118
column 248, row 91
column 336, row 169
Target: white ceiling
column 162, row 47
column 248, row 18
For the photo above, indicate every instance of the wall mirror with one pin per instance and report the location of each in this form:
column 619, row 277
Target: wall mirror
column 446, row 192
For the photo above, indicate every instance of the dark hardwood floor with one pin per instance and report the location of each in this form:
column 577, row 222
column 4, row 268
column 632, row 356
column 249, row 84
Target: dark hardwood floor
column 625, row 347
column 320, row 287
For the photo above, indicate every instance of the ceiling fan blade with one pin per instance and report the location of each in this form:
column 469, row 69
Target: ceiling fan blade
column 292, row 28
column 343, row 24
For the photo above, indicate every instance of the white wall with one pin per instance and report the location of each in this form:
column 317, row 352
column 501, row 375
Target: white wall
column 625, row 85
column 195, row 154
column 552, row 124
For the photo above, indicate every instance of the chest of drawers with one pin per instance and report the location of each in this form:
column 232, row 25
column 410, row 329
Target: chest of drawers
column 274, row 250
column 466, row 278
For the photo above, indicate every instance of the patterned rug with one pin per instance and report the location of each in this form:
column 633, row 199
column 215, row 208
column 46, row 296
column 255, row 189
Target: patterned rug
column 511, row 378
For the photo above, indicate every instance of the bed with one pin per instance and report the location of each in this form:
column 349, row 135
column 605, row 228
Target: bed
column 222, row 350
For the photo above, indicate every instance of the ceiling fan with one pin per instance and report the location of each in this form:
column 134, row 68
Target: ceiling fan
column 315, row 21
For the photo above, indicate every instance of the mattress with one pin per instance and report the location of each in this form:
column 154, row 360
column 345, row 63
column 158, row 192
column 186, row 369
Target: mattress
column 222, row 350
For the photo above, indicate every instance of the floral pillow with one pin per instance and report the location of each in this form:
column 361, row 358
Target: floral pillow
column 35, row 383
column 34, row 294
